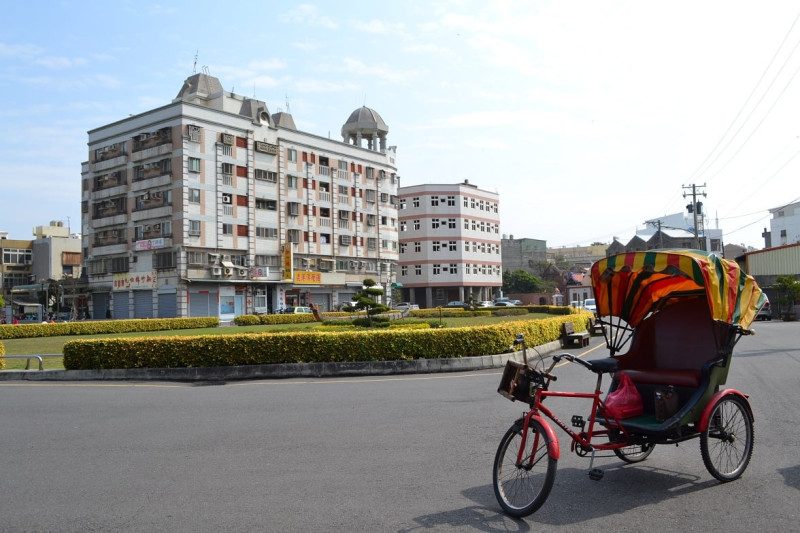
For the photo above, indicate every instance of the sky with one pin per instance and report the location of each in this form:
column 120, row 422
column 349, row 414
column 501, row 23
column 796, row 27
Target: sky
column 587, row 118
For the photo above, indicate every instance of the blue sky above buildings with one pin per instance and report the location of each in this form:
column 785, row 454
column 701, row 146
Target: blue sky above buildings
column 586, row 117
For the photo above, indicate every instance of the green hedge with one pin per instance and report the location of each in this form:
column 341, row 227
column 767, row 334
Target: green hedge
column 308, row 347
column 20, row 331
column 2, row 353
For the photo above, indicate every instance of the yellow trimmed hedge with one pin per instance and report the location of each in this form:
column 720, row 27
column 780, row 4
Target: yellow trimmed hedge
column 2, row 353
column 19, row 331
column 308, row 347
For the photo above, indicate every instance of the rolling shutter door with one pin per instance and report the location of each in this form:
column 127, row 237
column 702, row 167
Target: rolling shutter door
column 121, row 305
column 143, row 304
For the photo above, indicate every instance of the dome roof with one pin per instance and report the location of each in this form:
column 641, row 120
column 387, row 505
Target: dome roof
column 365, row 120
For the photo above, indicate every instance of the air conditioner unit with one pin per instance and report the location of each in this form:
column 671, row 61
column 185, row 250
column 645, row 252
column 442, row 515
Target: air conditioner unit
column 354, row 264
column 157, row 227
column 157, row 194
column 213, row 258
column 226, row 258
column 226, row 198
column 146, row 196
column 228, row 271
column 242, row 272
column 227, row 138
column 145, row 228
column 217, row 271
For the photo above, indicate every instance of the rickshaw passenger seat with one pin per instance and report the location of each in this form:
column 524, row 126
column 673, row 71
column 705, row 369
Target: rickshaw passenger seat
column 679, row 378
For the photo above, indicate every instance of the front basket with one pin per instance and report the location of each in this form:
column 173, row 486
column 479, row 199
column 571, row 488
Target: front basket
column 516, row 382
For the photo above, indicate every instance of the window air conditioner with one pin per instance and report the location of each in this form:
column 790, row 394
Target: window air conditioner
column 242, row 272
column 213, row 258
column 226, row 258
column 217, row 271
column 157, row 227
column 226, row 198
column 145, row 228
column 227, row 138
column 228, row 271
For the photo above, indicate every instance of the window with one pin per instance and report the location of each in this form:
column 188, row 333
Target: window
column 436, row 246
column 194, row 196
column 227, row 150
column 451, row 246
column 466, row 224
column 345, row 240
column 263, row 203
column 194, row 227
column 370, row 195
column 119, row 264
column 404, row 270
column 292, row 209
column 268, row 260
column 344, row 190
column 451, row 223
column 466, row 202
column 415, row 202
column 472, row 203
column 227, row 229
column 194, row 164
column 266, row 233
column 293, row 235
column 403, row 225
column 417, row 247
column 403, row 203
column 291, row 182
column 453, row 268
column 434, row 201
column 164, row 260
column 291, row 155
column 194, row 133
column 416, row 224
column 384, row 220
column 437, row 269
column 227, row 168
column 451, row 201
column 266, row 175
column 434, row 223
column 372, row 243
column 418, row 270
column 403, row 247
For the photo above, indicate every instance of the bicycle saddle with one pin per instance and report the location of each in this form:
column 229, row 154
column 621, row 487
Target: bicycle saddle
column 601, row 366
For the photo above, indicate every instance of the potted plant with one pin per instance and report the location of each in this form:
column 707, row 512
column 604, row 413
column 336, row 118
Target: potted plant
column 788, row 290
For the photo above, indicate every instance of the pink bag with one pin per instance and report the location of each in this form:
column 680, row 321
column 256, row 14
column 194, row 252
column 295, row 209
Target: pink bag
column 626, row 401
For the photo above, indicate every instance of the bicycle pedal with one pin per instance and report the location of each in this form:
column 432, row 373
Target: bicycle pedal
column 595, row 474
column 578, row 422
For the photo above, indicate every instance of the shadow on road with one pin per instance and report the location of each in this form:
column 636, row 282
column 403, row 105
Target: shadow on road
column 622, row 489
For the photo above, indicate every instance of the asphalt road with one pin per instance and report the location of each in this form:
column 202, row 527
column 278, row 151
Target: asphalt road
column 401, row 454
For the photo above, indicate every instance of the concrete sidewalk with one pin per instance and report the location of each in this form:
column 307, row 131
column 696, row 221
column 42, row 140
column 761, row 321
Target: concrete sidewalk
column 283, row 371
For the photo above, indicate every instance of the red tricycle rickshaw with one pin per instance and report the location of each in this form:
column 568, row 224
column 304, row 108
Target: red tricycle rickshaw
column 671, row 319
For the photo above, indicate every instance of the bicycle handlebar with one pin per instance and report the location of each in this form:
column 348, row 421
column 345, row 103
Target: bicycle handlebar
column 571, row 358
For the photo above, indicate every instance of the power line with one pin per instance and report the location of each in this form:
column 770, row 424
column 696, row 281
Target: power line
column 699, row 171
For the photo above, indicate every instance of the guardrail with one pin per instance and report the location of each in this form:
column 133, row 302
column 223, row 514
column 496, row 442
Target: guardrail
column 29, row 357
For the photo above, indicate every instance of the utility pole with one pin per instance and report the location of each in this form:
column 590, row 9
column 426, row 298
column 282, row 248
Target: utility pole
column 693, row 208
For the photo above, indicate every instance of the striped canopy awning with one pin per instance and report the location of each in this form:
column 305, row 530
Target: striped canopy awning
column 630, row 285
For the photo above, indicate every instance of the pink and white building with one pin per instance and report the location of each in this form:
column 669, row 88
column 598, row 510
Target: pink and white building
column 449, row 237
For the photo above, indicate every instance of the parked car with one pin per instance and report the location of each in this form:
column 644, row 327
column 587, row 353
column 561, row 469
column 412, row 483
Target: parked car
column 590, row 305
column 456, row 304
column 486, row 303
column 296, row 310
column 504, row 304
column 406, row 305
column 765, row 313
column 576, row 304
column 516, row 302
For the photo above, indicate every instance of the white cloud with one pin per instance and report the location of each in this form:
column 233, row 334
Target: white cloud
column 308, row 14
column 382, row 72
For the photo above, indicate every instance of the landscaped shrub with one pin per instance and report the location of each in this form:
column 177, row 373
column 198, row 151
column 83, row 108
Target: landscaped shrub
column 19, row 331
column 509, row 311
column 307, row 347
column 2, row 353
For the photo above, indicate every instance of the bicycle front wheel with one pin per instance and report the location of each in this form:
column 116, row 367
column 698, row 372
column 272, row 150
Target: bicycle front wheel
column 522, row 487
column 727, row 443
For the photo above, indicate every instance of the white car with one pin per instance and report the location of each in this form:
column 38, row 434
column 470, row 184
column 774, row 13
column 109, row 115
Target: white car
column 590, row 305
column 406, row 305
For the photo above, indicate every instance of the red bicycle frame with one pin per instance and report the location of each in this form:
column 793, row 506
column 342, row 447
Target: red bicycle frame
column 584, row 439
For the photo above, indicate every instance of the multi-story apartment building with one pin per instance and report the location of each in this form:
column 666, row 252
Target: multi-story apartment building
column 449, row 244
column 16, row 268
column 212, row 206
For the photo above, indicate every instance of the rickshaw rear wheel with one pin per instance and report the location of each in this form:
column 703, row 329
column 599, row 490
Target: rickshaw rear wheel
column 727, row 443
column 522, row 488
column 635, row 453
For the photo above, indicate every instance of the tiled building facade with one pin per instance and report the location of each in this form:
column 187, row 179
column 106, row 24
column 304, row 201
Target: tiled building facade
column 212, row 206
column 449, row 244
